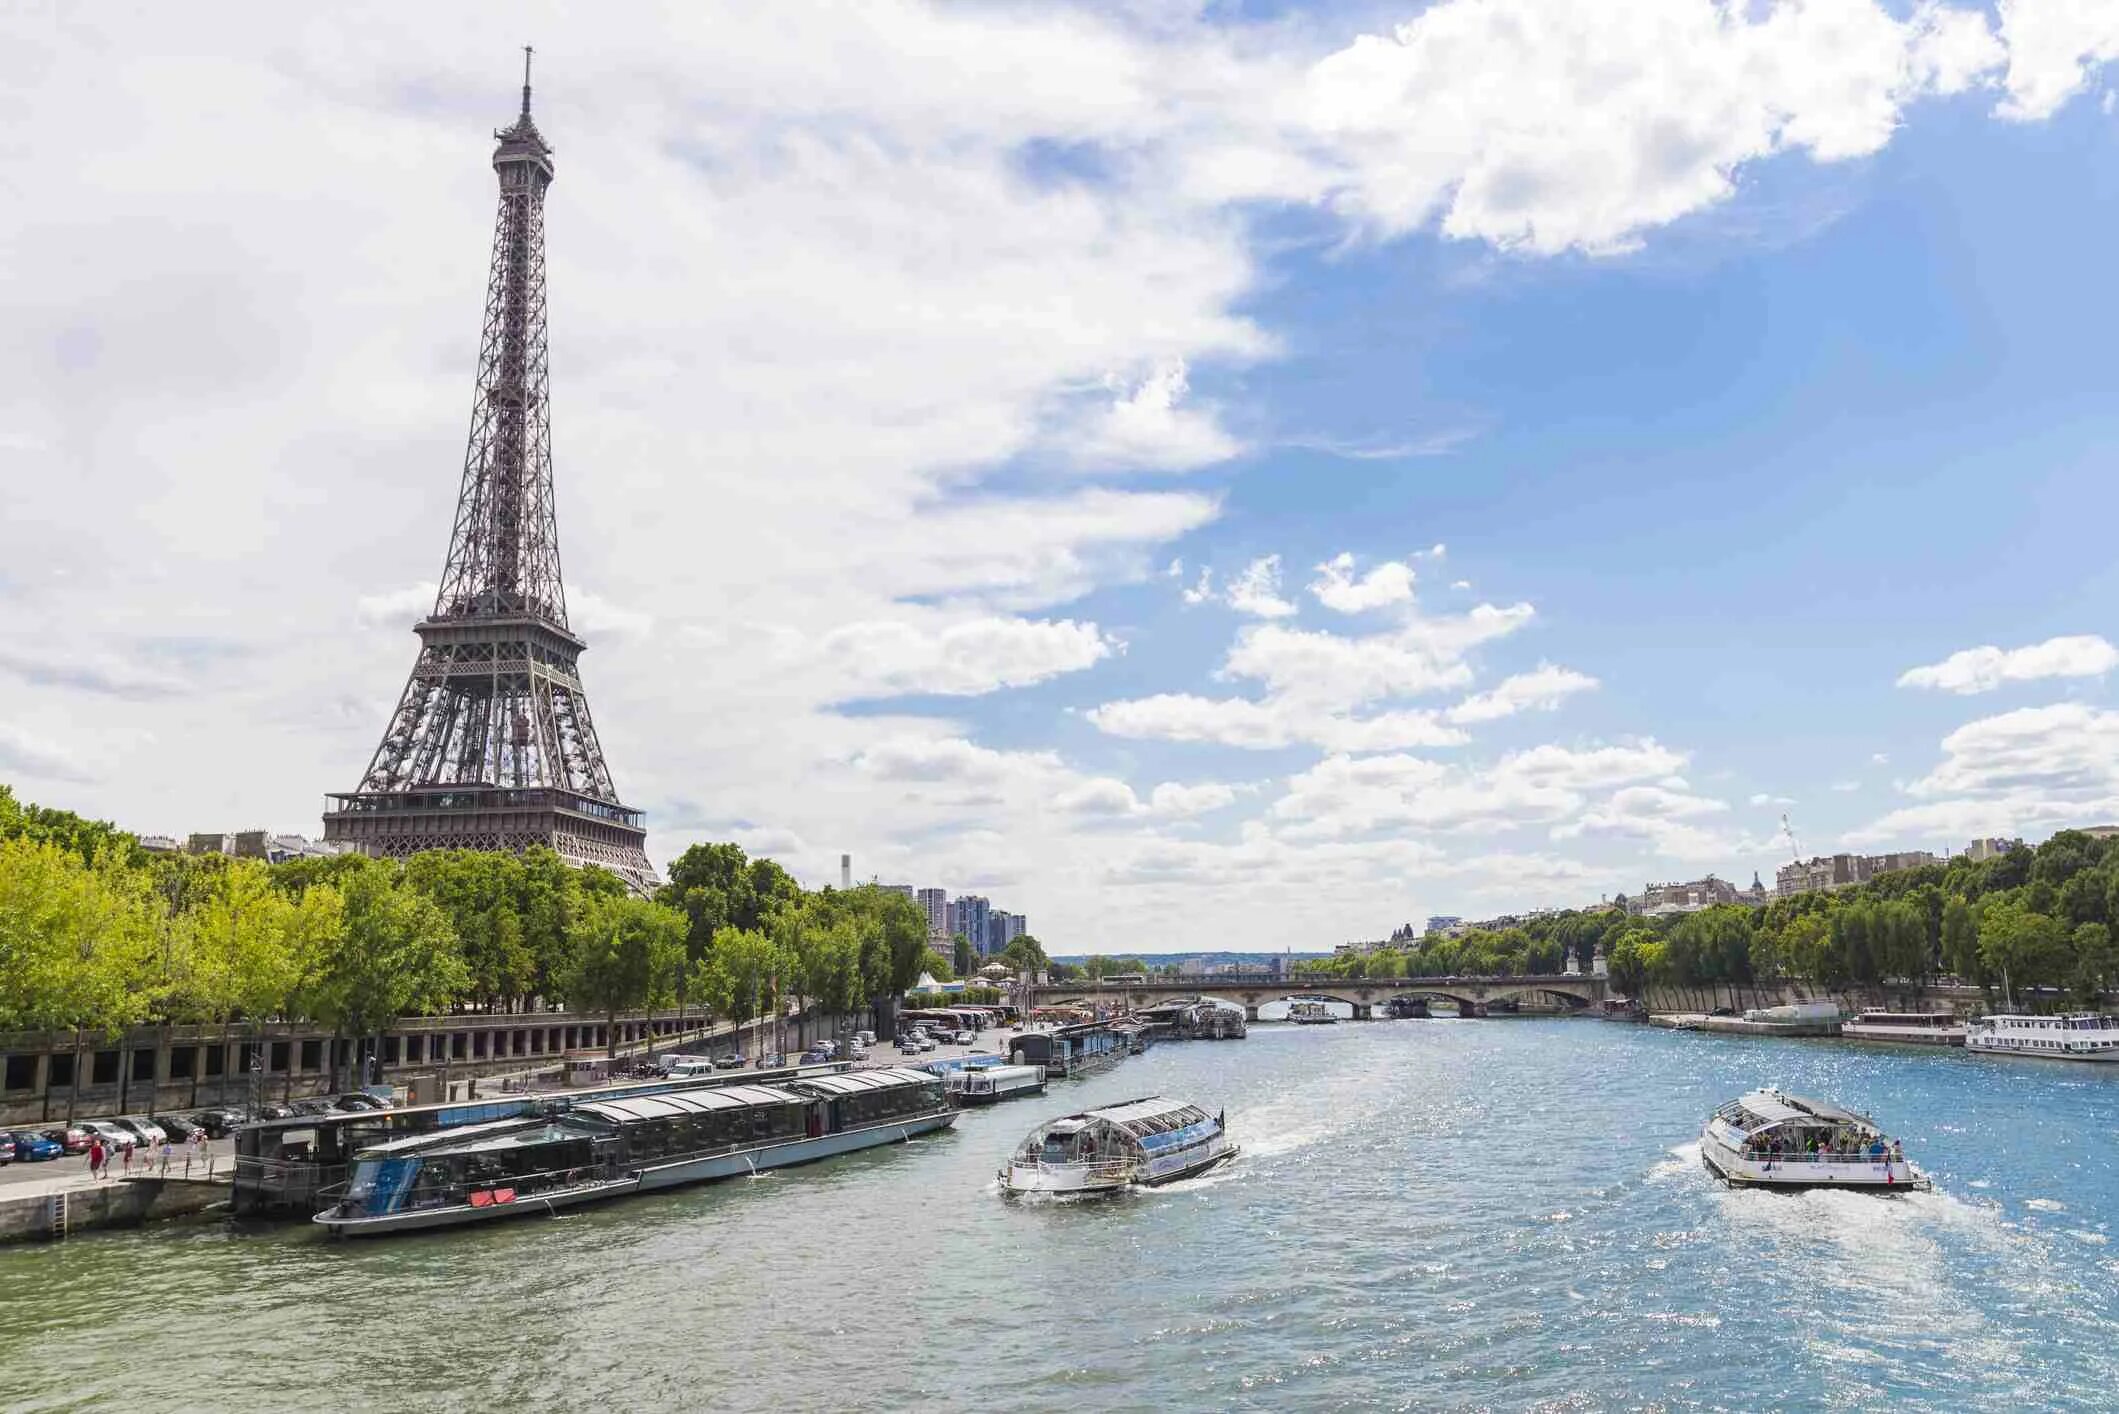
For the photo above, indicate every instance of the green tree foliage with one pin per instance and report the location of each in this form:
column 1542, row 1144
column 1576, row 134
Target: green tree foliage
column 963, row 958
column 936, row 966
column 2023, row 947
column 1025, row 953
column 393, row 954
column 624, row 954
column 77, row 939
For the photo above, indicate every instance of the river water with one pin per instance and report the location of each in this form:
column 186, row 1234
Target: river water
column 1426, row 1214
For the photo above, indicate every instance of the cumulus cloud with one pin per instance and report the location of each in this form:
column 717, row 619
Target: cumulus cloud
column 1985, row 668
column 1338, row 587
column 2036, row 768
column 971, row 656
column 1145, row 426
column 1236, row 721
column 1256, row 591
column 2052, row 46
column 1666, row 819
column 1543, row 688
column 1171, row 800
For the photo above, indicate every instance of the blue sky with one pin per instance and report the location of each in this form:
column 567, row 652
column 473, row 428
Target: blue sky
column 1740, row 363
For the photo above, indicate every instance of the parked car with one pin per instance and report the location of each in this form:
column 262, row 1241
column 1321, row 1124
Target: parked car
column 218, row 1122
column 115, row 1136
column 857, row 1051
column 7, row 1153
column 70, row 1137
column 773, row 1060
column 177, row 1126
column 355, row 1100
column 148, row 1131
column 29, row 1144
column 314, row 1106
column 816, row 1055
column 732, row 1061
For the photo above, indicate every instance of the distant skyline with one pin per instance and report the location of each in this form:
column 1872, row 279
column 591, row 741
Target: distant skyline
column 1237, row 476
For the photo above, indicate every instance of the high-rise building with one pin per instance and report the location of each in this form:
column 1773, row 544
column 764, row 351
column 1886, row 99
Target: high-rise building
column 968, row 915
column 491, row 745
column 935, row 903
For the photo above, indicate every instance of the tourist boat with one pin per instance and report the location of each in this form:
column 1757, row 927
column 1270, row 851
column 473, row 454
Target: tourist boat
column 1141, row 1142
column 2082, row 1037
column 603, row 1148
column 1913, row 1028
column 1310, row 1014
column 987, row 1085
column 1770, row 1140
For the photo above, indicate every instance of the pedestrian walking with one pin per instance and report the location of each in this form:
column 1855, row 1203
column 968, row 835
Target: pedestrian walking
column 125, row 1157
column 191, row 1149
column 164, row 1155
column 95, row 1157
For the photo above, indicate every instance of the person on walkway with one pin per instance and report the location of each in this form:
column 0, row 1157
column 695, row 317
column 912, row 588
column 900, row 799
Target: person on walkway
column 125, row 1157
column 191, row 1149
column 164, row 1155
column 95, row 1157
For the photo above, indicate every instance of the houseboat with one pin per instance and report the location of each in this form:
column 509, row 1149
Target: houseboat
column 1310, row 1014
column 601, row 1149
column 2083, row 1037
column 988, row 1085
column 1912, row 1028
column 1770, row 1140
column 1139, row 1143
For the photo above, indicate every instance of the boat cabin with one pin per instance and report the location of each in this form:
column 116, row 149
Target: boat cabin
column 1773, row 1125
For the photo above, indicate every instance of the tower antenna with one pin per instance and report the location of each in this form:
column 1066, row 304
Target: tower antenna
column 527, row 51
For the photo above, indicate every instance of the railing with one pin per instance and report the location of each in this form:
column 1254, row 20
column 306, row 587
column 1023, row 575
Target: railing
column 1103, row 1170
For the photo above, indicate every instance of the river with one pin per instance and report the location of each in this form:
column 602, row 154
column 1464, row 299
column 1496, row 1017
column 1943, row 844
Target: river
column 1426, row 1214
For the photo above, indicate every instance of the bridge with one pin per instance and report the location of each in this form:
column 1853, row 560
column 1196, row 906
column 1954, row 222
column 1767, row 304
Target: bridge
column 1253, row 990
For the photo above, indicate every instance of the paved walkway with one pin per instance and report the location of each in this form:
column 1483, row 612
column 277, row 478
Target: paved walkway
column 24, row 1178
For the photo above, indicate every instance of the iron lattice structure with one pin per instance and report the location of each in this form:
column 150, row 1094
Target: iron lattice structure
column 492, row 745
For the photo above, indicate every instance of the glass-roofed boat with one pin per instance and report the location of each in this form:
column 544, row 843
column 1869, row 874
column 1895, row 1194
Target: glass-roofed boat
column 1767, row 1139
column 628, row 1144
column 1141, row 1142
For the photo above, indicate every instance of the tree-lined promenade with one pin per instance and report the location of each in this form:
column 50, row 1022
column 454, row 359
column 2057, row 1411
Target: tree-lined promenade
column 97, row 934
column 2026, row 918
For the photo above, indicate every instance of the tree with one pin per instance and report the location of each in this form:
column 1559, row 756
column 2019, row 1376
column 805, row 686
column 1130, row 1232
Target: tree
column 740, row 978
column 2024, row 948
column 394, row 954
column 962, row 957
column 626, row 954
column 76, row 939
column 2095, row 962
column 1025, row 954
column 1960, row 940
column 936, row 966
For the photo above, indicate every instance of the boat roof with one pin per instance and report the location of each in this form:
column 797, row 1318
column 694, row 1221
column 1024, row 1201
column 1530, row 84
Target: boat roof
column 492, row 1128
column 1008, row 1071
column 889, row 1077
column 1133, row 1111
column 636, row 1108
column 1774, row 1107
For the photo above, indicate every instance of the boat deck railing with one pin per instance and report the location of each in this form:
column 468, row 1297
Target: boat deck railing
column 1104, row 1170
column 1827, row 1157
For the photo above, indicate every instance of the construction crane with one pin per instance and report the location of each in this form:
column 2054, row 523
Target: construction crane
column 1795, row 856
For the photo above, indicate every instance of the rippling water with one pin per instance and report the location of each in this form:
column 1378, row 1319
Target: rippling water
column 1440, row 1214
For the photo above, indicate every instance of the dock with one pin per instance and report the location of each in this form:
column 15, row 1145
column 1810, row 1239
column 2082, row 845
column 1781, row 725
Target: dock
column 1739, row 1026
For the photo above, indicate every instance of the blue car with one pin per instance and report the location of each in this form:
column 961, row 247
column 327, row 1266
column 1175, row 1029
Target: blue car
column 28, row 1144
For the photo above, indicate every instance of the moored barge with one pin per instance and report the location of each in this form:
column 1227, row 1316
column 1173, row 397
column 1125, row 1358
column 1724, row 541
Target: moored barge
column 2082, row 1037
column 1911, row 1028
column 609, row 1147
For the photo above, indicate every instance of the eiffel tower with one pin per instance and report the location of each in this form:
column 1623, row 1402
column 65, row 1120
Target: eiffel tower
column 491, row 746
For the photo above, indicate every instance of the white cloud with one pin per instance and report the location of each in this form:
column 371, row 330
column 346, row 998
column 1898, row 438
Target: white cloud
column 1256, row 591
column 1543, row 688
column 2033, row 769
column 1423, row 655
column 1337, row 586
column 1146, row 427
column 2052, row 45
column 1350, row 796
column 1764, row 799
column 1985, row 668
column 1236, row 721
column 24, row 753
column 1668, row 820
column 1171, row 800
column 1879, row 758
column 894, row 656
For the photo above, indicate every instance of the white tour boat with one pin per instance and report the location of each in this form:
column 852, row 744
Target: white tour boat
column 1770, row 1140
column 1311, row 1014
column 1141, row 1142
column 2084, row 1037
column 990, row 1084
column 1913, row 1028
